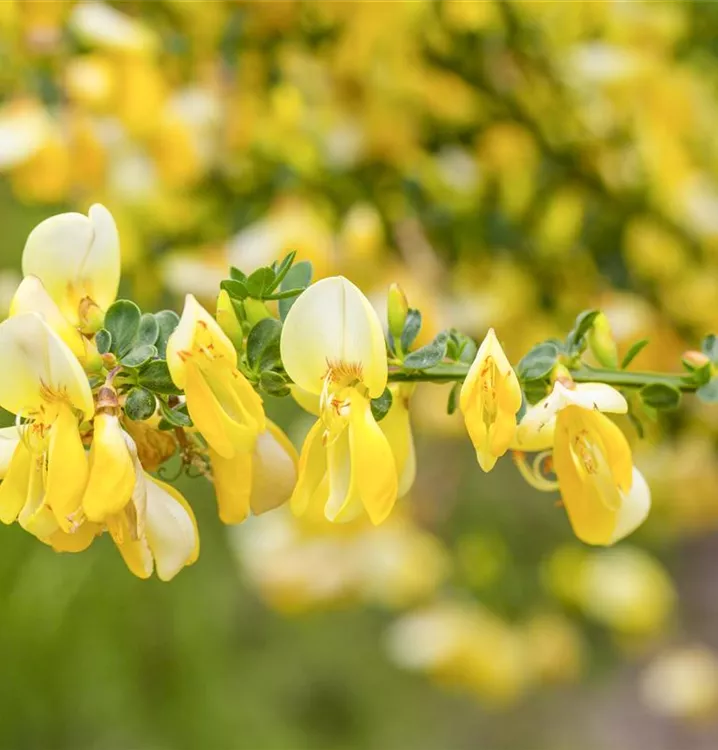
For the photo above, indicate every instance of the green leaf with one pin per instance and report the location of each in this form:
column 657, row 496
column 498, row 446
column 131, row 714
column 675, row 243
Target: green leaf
column 7, row 418
column 235, row 289
column 156, row 378
column 282, row 270
column 139, row 356
column 429, row 355
column 633, row 352
column 273, row 383
column 660, row 396
column 534, row 390
column 299, row 276
column 103, row 341
column 576, row 339
column 263, row 343
column 167, row 320
column 140, row 404
column 288, row 294
column 176, row 417
column 412, row 326
column 149, row 330
column 380, row 406
column 259, row 282
column 538, row 362
column 236, row 274
column 122, row 320
column 453, row 402
column 709, row 347
column 708, row 393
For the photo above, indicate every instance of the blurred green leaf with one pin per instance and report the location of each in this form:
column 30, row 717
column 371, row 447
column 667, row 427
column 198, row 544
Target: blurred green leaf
column 299, row 276
column 140, row 404
column 660, row 396
column 263, row 343
column 380, row 406
column 167, row 321
column 633, row 352
column 412, row 326
column 538, row 362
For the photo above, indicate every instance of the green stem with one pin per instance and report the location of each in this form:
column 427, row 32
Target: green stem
column 449, row 373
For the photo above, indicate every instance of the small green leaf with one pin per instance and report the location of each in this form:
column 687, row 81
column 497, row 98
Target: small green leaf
column 273, row 383
column 429, row 355
column 412, row 326
column 167, row 320
column 259, row 282
column 139, row 356
column 149, row 330
column 7, row 418
column 576, row 339
column 709, row 347
column 177, row 417
column 287, row 294
column 660, row 396
column 380, row 406
column 236, row 274
column 156, row 378
column 235, row 289
column 103, row 341
column 453, row 402
column 708, row 393
column 534, row 390
column 263, row 343
column 282, row 270
column 122, row 320
column 299, row 276
column 140, row 404
column 538, row 362
column 633, row 352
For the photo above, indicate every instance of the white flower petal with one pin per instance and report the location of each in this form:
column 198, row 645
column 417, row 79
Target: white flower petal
column 635, row 507
column 75, row 256
column 333, row 322
column 171, row 531
column 34, row 357
column 9, row 438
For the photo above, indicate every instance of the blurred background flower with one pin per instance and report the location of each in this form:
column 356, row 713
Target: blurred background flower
column 509, row 163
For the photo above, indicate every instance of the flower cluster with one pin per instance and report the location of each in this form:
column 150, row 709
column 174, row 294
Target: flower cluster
column 102, row 395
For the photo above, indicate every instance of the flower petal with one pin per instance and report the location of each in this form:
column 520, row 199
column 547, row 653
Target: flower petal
column 14, row 488
column 274, row 470
column 75, row 256
column 111, row 480
column 635, row 507
column 34, row 359
column 196, row 326
column 171, row 529
column 31, row 296
column 372, row 461
column 311, row 470
column 332, row 321
column 67, row 469
column 9, row 439
column 232, row 485
column 396, row 425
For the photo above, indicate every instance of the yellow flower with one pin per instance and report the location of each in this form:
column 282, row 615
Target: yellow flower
column 31, row 296
column 333, row 346
column 490, row 398
column 77, row 260
column 255, row 481
column 605, row 496
column 221, row 402
column 44, row 385
column 112, row 474
column 396, row 426
column 157, row 530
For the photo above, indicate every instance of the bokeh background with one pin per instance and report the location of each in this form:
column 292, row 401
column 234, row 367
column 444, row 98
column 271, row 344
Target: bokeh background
column 510, row 163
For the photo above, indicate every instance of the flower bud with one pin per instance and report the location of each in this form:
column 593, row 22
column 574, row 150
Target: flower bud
column 256, row 310
column 601, row 343
column 695, row 359
column 398, row 309
column 228, row 320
